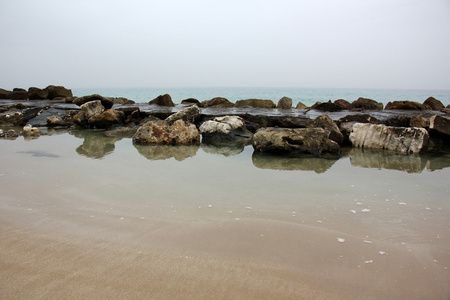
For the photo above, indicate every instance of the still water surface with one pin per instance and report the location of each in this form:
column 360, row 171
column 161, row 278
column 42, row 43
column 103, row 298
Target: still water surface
column 366, row 225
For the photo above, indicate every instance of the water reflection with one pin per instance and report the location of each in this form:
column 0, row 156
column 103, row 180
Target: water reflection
column 223, row 150
column 414, row 163
column 275, row 162
column 161, row 152
column 95, row 143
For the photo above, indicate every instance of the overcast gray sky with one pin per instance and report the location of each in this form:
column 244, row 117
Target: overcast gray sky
column 232, row 43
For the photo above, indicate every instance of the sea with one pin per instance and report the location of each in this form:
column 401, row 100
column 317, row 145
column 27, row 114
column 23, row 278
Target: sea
column 307, row 96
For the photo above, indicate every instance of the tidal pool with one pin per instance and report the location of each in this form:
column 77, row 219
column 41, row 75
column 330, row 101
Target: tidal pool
column 194, row 222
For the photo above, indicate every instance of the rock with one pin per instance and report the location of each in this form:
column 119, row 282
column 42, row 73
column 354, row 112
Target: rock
column 404, row 105
column 5, row 94
column 163, row 100
column 95, row 144
column 88, row 110
column 57, row 121
column 365, row 104
column 216, row 102
column 106, row 102
column 189, row 114
column 343, row 104
column 327, row 106
column 398, row 139
column 326, row 123
column 190, row 101
column 398, row 121
column 107, row 119
column 301, row 106
column 19, row 94
column 294, row 142
column 20, row 118
column 258, row 103
column 28, row 130
column 364, row 118
column 35, row 93
column 418, row 121
column 161, row 132
column 440, row 124
column 285, row 103
column 9, row 134
column 433, row 104
column 121, row 100
column 224, row 130
column 346, row 128
column 121, row 132
column 58, row 91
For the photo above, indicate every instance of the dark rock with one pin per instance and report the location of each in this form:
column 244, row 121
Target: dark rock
column 343, row 104
column 190, row 101
column 189, row 114
column 365, row 104
column 404, row 105
column 161, row 132
column 398, row 121
column 5, row 94
column 398, row 139
column 12, row 107
column 216, row 102
column 163, row 100
column 107, row 119
column 359, row 118
column 346, row 128
column 294, row 142
column 55, row 121
column 285, row 103
column 8, row 134
column 433, row 104
column 121, row 100
column 440, row 124
column 327, row 106
column 106, row 102
column 35, row 93
column 41, row 118
column 326, row 123
column 418, row 121
column 20, row 118
column 58, row 91
column 19, row 94
column 225, row 130
column 258, row 103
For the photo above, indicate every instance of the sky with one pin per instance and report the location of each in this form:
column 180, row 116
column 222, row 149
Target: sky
column 386, row 44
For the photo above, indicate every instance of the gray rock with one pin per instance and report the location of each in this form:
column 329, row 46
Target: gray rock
column 163, row 133
column 325, row 122
column 189, row 114
column 258, row 103
column 285, row 103
column 297, row 141
column 398, row 139
column 224, row 130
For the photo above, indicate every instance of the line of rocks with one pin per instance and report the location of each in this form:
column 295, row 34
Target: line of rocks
column 285, row 134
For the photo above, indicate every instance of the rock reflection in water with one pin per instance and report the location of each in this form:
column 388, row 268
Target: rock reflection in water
column 95, row 144
column 414, row 163
column 223, row 150
column 307, row 163
column 161, row 152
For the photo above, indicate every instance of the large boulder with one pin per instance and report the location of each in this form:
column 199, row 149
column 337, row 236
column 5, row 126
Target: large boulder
column 399, row 139
column 5, row 94
column 19, row 94
column 433, row 104
column 189, row 114
column 162, row 133
column 326, row 123
column 300, row 106
column 88, row 110
column 107, row 119
column 404, row 105
column 216, row 102
column 343, row 104
column 440, row 124
column 295, row 141
column 20, row 117
column 326, row 106
column 58, row 91
column 163, row 100
column 223, row 130
column 190, row 101
column 359, row 118
column 106, row 102
column 258, row 103
column 365, row 104
column 419, row 121
column 285, row 103
column 35, row 93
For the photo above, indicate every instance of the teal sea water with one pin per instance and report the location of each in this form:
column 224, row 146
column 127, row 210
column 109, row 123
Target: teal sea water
column 307, row 96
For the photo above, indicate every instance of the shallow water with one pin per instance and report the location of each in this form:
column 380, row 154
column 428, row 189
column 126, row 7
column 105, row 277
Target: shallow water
column 366, row 225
